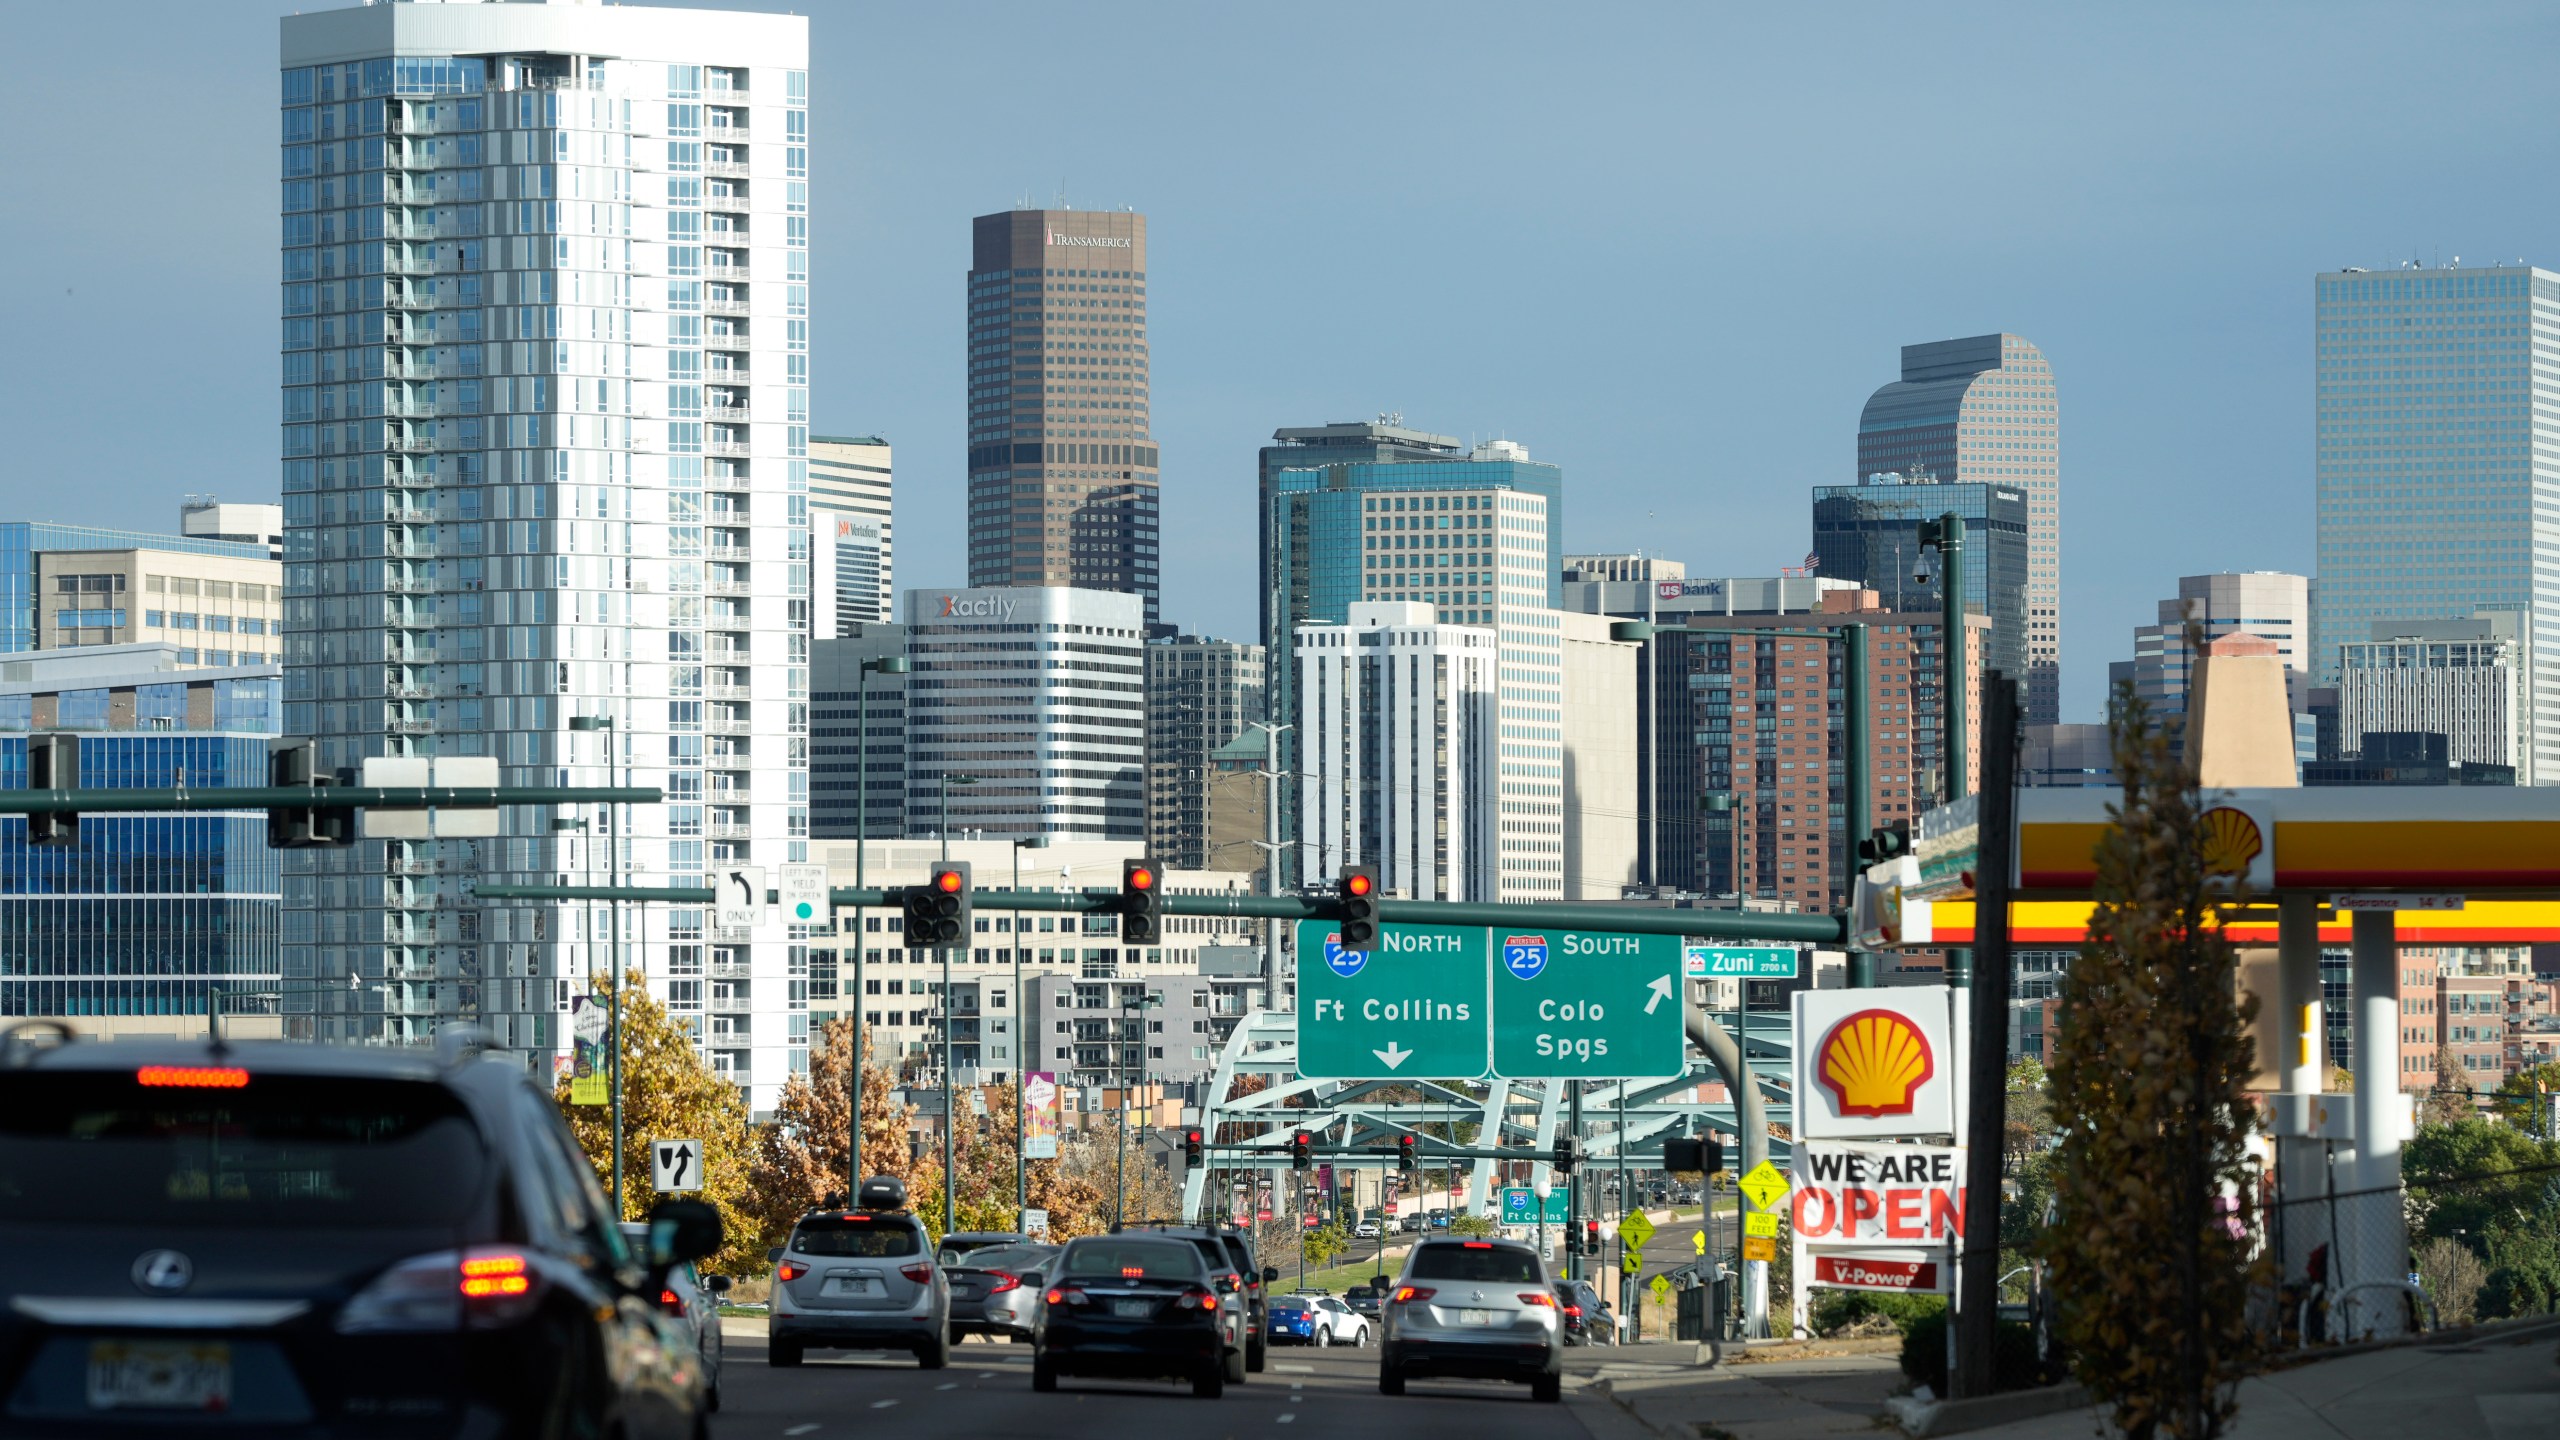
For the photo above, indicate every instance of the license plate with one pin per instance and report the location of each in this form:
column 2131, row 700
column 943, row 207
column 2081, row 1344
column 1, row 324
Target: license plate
column 1472, row 1317
column 159, row 1375
column 1133, row 1309
column 852, row 1285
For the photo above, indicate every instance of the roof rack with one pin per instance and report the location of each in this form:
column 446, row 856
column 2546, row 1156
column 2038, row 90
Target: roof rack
column 462, row 1042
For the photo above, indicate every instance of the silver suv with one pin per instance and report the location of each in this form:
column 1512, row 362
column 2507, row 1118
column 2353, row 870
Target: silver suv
column 1478, row 1309
column 861, row 1279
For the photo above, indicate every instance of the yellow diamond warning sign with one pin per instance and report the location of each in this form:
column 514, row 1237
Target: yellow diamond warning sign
column 1765, row 1186
column 1635, row 1229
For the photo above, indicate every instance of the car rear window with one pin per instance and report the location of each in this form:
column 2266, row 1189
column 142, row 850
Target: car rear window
column 1132, row 1260
column 1499, row 1264
column 225, row 1146
column 1013, row 1259
column 872, row 1239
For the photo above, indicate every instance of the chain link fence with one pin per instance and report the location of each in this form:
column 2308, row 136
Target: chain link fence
column 2359, row 1264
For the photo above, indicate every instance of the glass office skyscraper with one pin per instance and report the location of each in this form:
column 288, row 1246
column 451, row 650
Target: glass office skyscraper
column 2435, row 500
column 143, row 913
column 1982, row 409
column 1871, row 534
column 1062, row 460
column 545, row 432
column 1478, row 539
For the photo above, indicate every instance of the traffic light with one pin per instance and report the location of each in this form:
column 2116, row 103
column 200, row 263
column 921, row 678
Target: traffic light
column 1358, row 888
column 937, row 911
column 1572, row 1239
column 1704, row 1157
column 1408, row 1161
column 1141, row 906
column 1302, row 1151
column 53, row 763
column 1565, row 1156
column 297, row 827
column 1590, row 1237
column 1191, row 1147
column 1886, row 842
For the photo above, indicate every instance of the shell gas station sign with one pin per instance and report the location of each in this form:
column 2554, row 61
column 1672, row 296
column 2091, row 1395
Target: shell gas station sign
column 1878, row 1197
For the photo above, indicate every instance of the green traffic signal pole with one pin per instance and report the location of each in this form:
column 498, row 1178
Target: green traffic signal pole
column 1946, row 535
column 1571, row 915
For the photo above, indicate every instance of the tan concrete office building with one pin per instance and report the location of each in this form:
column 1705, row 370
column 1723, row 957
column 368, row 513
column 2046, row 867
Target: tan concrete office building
column 217, row 609
column 1062, row 463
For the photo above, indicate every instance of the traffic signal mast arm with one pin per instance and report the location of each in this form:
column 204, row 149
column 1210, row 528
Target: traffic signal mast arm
column 1625, row 920
column 129, row 800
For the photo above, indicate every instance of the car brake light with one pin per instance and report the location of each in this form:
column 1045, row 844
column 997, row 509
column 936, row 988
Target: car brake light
column 921, row 1273
column 790, row 1272
column 1410, row 1294
column 1067, row 1295
column 1538, row 1297
column 1196, row 1298
column 447, row 1290
column 192, row 1077
column 1475, row 1244
column 672, row 1303
column 1574, row 1310
column 1004, row 1282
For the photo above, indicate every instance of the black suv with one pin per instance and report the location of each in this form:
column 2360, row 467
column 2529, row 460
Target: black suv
column 1229, row 1248
column 318, row 1239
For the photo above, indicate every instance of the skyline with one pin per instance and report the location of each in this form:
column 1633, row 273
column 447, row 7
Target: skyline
column 2148, row 199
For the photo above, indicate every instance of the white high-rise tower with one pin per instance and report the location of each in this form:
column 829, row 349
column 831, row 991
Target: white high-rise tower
column 545, row 320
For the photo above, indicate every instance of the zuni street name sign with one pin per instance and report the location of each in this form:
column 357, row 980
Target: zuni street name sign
column 1413, row 1006
column 1456, row 1002
column 1579, row 1004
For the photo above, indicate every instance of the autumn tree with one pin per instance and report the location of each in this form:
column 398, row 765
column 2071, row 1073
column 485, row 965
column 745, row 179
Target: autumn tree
column 2449, row 1098
column 801, row 1158
column 2150, row 1266
column 670, row 1093
column 2525, row 1099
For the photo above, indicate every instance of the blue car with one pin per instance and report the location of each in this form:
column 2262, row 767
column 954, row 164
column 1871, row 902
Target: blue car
column 1293, row 1322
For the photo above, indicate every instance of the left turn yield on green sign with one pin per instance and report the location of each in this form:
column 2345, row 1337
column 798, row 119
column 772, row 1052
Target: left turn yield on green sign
column 1414, row 1004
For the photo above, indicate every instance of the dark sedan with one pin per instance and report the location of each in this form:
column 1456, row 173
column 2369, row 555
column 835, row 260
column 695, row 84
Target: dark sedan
column 1132, row 1306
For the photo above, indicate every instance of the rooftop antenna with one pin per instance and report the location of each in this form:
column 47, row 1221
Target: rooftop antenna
column 1062, row 196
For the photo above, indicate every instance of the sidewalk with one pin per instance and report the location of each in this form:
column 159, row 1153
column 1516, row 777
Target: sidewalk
column 2496, row 1388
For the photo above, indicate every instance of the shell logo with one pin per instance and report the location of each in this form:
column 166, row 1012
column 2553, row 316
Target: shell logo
column 2231, row 841
column 1874, row 1063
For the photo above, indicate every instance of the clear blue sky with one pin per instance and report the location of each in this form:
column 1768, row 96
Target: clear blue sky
column 1671, row 248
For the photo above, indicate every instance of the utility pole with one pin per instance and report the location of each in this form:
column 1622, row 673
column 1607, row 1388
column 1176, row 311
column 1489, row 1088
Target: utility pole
column 884, row 665
column 613, row 997
column 1978, row 1275
column 1271, row 774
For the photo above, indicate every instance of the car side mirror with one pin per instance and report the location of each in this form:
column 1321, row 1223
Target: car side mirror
column 681, row 1230
column 717, row 1284
column 1270, row 1274
column 773, row 1254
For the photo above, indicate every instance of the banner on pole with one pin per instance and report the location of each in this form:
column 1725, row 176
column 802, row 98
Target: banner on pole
column 1040, row 1116
column 590, row 1081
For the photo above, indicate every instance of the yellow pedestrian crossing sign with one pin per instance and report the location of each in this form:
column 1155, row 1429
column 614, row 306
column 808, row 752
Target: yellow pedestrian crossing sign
column 1635, row 1230
column 1698, row 1241
column 1661, row 1289
column 1761, row 1226
column 1765, row 1186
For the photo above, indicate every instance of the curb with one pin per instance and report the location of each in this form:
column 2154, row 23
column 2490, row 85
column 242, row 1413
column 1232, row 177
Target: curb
column 1920, row 1418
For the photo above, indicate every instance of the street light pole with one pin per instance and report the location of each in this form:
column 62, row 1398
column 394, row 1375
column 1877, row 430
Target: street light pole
column 1271, row 854
column 1946, row 535
column 613, row 840
column 950, row 1078
column 1021, row 1042
column 884, row 665
column 1120, row 1181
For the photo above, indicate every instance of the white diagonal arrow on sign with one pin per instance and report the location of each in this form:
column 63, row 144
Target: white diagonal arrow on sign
column 1394, row 1055
column 1661, row 988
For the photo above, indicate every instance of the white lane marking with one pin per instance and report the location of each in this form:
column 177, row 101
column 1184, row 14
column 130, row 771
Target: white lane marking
column 801, row 1429
column 948, row 1385
column 986, row 1374
column 1295, row 1369
column 882, row 1404
column 1285, row 1419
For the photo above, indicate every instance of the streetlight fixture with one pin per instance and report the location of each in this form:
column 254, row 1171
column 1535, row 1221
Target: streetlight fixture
column 613, row 994
column 950, row 1078
column 1021, row 1042
column 884, row 665
column 1120, row 1182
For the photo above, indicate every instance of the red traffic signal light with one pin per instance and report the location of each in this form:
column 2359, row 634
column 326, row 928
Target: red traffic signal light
column 1408, row 1161
column 1141, row 903
column 1358, row 888
column 1141, row 877
column 1359, row 882
column 1191, row 1145
column 1302, row 1151
column 949, row 882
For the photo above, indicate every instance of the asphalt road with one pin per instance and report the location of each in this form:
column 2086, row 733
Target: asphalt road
column 987, row 1393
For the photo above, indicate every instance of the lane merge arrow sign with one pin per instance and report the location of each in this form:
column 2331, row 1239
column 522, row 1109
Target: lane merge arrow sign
column 675, row 1166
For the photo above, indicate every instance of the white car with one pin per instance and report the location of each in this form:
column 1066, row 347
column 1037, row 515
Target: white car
column 1365, row 1230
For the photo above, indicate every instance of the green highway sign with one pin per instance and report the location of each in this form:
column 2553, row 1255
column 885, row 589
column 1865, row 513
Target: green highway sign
column 1749, row 962
column 1414, row 1005
column 1581, row 1004
column 1520, row 1205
